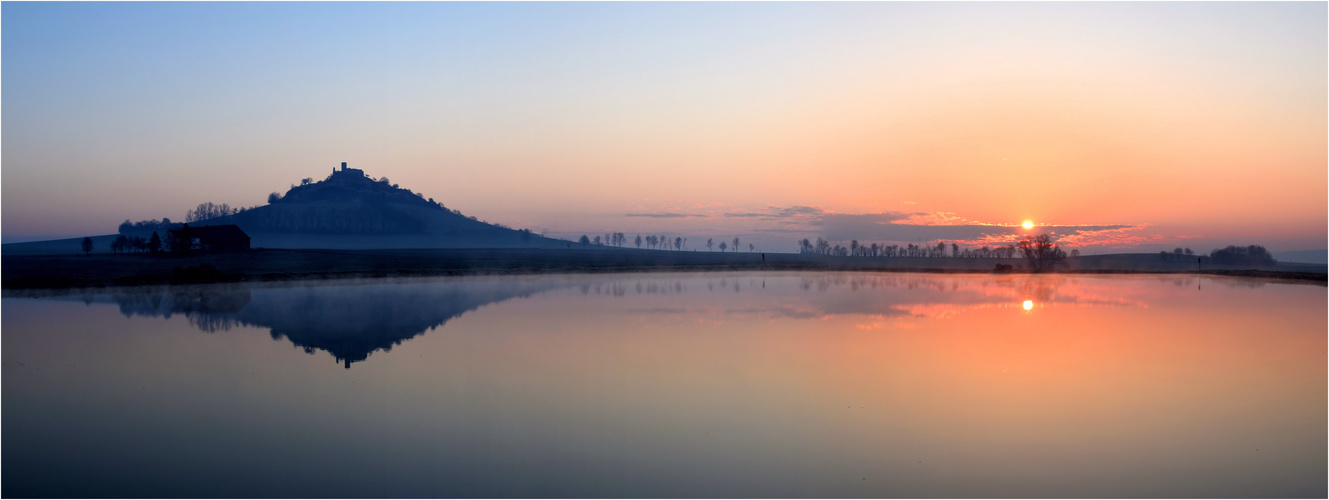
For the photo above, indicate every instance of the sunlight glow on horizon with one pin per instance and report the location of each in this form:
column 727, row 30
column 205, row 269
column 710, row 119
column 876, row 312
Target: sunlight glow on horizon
column 566, row 118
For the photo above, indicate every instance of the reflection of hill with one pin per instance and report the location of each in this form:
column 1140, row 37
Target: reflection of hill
column 348, row 321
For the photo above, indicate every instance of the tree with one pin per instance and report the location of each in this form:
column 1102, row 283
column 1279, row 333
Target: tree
column 87, row 245
column 709, row 244
column 120, row 244
column 1040, row 252
column 1189, row 252
column 751, row 248
column 723, row 245
column 955, row 250
column 585, row 240
column 597, row 240
column 274, row 197
column 1075, row 252
column 1253, row 254
column 735, row 243
column 155, row 243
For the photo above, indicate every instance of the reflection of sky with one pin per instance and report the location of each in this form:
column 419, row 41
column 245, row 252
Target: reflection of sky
column 698, row 385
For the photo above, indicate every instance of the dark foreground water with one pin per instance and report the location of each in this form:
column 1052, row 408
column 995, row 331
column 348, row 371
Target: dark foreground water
column 665, row 385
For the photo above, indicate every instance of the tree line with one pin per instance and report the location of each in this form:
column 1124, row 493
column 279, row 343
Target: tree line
column 659, row 242
column 940, row 249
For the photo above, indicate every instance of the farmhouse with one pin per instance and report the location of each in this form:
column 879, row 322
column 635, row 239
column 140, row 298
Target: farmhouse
column 223, row 238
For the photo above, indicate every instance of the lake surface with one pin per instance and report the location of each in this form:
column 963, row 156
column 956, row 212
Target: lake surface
column 672, row 385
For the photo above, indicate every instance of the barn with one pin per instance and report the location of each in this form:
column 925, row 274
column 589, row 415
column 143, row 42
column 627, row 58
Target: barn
column 223, row 238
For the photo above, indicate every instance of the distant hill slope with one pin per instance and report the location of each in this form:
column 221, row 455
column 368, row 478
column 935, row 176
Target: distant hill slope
column 1304, row 256
column 350, row 210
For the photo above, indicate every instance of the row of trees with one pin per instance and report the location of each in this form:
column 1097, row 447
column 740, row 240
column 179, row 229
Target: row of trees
column 940, row 249
column 1040, row 252
column 136, row 244
column 724, row 245
column 659, row 242
column 1251, row 254
column 128, row 228
column 1176, row 254
column 209, row 210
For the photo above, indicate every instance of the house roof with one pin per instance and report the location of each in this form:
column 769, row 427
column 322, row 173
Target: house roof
column 225, row 231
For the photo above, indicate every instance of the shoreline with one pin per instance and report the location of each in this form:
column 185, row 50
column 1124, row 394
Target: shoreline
column 61, row 273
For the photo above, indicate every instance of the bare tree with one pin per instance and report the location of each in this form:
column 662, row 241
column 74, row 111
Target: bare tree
column 639, row 241
column 1040, row 252
column 87, row 245
column 709, row 244
column 735, row 243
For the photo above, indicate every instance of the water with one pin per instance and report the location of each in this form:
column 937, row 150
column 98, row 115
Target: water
column 672, row 385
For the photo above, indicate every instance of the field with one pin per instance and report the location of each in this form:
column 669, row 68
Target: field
column 101, row 270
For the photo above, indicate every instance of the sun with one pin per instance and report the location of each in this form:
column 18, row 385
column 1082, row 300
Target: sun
column 1028, row 305
column 1028, row 224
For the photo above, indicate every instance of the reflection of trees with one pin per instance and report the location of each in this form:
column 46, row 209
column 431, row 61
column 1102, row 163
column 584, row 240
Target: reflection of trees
column 348, row 321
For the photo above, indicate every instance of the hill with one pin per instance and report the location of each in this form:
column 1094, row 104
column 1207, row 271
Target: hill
column 350, row 210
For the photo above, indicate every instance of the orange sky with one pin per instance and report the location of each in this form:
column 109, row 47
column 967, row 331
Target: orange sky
column 1193, row 123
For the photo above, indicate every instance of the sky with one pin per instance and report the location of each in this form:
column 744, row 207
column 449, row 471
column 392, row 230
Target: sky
column 1114, row 126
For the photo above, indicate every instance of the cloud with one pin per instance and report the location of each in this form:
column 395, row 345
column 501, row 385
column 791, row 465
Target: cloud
column 915, row 227
column 667, row 215
column 773, row 212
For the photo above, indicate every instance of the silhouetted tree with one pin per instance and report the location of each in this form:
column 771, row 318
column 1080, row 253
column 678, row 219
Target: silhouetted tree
column 1253, row 254
column 1075, row 252
column 723, row 245
column 119, row 244
column 751, row 248
column 955, row 250
column 1040, row 252
column 639, row 241
column 597, row 240
column 155, row 243
column 735, row 243
column 274, row 197
column 710, row 243
column 87, row 245
column 1189, row 252
column 678, row 243
column 585, row 240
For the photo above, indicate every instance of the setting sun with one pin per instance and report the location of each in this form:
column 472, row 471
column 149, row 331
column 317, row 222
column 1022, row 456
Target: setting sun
column 1028, row 224
column 1028, row 305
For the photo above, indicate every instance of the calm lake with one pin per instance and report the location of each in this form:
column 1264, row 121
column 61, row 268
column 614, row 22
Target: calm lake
column 672, row 385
